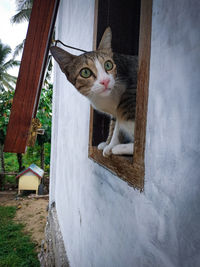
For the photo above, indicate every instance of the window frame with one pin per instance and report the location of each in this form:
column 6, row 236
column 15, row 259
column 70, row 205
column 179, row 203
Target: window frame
column 26, row 97
column 131, row 169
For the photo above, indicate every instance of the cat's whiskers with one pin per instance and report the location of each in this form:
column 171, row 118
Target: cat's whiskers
column 109, row 81
column 98, row 89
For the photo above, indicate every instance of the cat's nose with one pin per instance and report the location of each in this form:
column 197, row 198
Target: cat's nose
column 105, row 82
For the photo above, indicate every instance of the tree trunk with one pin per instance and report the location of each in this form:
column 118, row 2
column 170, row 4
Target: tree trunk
column 42, row 156
column 2, row 175
column 20, row 161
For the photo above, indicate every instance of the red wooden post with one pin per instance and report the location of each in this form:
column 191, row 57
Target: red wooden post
column 31, row 74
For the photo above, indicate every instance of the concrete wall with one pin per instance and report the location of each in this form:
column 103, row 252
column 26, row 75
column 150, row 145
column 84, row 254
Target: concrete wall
column 105, row 222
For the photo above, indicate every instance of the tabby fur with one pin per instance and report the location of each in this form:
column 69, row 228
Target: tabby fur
column 110, row 87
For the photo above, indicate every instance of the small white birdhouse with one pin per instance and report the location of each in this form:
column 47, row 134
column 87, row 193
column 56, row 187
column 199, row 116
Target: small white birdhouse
column 30, row 178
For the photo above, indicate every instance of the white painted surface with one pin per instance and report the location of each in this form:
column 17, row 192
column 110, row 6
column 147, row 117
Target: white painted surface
column 105, row 223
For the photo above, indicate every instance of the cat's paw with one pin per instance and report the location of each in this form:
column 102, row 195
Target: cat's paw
column 107, row 151
column 123, row 149
column 102, row 145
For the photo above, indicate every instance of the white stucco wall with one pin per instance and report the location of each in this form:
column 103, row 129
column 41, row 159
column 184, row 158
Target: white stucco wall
column 105, row 222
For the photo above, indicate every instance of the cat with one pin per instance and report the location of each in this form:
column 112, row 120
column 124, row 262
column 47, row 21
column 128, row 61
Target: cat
column 109, row 81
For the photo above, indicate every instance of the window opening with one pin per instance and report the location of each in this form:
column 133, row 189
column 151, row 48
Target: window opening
column 131, row 37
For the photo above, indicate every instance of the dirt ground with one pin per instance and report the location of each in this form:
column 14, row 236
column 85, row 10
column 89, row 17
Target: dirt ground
column 32, row 212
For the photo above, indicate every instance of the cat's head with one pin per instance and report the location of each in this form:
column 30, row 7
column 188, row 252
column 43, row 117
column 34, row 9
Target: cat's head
column 92, row 73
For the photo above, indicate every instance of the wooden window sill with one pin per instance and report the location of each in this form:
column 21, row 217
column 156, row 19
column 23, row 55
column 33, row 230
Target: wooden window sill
column 122, row 166
column 130, row 169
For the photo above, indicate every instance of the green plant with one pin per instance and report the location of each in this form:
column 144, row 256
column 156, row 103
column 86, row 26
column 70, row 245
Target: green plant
column 16, row 248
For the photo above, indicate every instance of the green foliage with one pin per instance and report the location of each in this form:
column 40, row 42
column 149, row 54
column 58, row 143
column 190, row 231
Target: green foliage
column 16, row 248
column 32, row 155
column 6, row 98
column 44, row 113
column 6, row 80
column 23, row 14
column 47, row 152
column 24, row 8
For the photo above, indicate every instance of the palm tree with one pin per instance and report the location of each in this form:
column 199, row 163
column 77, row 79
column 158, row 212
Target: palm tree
column 23, row 14
column 6, row 91
column 24, row 8
column 23, row 11
column 6, row 80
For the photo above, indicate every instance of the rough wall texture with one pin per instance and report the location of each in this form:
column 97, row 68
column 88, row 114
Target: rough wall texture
column 53, row 252
column 173, row 140
column 104, row 222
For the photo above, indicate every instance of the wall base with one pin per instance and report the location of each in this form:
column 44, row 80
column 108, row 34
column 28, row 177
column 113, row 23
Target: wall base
column 52, row 248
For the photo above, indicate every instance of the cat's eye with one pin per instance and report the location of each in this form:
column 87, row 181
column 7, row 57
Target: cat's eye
column 85, row 73
column 108, row 65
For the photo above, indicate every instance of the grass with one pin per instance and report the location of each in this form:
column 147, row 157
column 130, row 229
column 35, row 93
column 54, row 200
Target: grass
column 16, row 248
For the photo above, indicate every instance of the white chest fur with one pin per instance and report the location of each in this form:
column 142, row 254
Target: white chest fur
column 105, row 104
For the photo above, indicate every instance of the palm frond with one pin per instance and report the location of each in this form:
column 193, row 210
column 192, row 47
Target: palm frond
column 22, row 4
column 5, row 50
column 22, row 16
column 10, row 78
column 19, row 48
column 1, row 88
column 10, row 64
column 6, row 80
column 7, row 85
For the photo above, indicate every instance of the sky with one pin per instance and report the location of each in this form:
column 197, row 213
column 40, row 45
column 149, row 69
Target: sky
column 11, row 34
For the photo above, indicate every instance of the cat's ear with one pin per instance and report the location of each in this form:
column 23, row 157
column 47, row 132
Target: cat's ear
column 62, row 57
column 105, row 43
